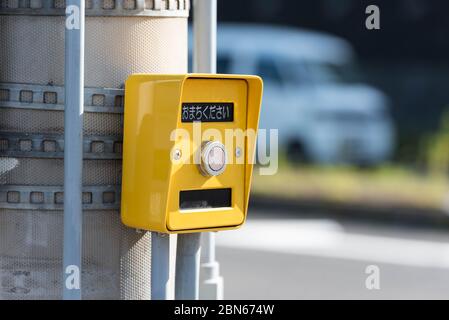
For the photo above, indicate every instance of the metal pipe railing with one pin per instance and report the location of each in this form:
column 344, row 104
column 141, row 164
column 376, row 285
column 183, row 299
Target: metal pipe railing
column 189, row 245
column 188, row 266
column 73, row 148
column 160, row 266
column 205, row 36
column 205, row 61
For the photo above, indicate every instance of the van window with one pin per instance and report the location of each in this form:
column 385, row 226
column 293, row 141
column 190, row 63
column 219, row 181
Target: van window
column 223, row 64
column 328, row 72
column 296, row 72
column 268, row 70
column 348, row 116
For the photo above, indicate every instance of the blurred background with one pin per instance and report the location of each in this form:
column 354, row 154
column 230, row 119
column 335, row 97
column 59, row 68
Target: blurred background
column 363, row 120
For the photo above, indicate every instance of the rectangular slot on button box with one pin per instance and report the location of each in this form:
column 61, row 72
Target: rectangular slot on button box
column 205, row 199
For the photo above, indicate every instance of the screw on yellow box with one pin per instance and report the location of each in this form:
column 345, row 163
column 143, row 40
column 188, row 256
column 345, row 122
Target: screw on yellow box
column 188, row 151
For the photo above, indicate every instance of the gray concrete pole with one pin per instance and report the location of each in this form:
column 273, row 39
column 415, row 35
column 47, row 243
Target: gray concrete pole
column 188, row 266
column 73, row 148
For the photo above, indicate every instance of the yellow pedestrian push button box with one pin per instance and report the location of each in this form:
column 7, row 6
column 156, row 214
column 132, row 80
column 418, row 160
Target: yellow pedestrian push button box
column 188, row 151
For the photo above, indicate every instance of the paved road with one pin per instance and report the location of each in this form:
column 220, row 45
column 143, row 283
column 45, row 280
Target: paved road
column 282, row 256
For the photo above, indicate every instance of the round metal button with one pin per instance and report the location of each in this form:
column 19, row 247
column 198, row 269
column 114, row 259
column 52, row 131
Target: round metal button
column 213, row 158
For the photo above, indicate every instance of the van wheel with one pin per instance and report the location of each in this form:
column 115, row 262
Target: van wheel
column 295, row 152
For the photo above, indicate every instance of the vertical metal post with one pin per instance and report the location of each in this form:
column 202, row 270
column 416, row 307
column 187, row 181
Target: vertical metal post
column 188, row 266
column 73, row 149
column 205, row 61
column 160, row 266
column 205, row 36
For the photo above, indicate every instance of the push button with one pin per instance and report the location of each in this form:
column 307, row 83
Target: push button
column 213, row 158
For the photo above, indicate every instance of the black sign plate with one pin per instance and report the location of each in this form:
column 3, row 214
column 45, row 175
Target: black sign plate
column 205, row 199
column 207, row 112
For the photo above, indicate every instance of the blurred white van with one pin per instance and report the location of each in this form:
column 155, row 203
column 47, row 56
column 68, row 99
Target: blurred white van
column 322, row 114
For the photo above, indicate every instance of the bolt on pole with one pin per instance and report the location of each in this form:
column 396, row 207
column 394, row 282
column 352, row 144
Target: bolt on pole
column 73, row 148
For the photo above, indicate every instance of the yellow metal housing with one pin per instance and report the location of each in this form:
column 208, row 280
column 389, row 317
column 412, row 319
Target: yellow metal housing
column 153, row 177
